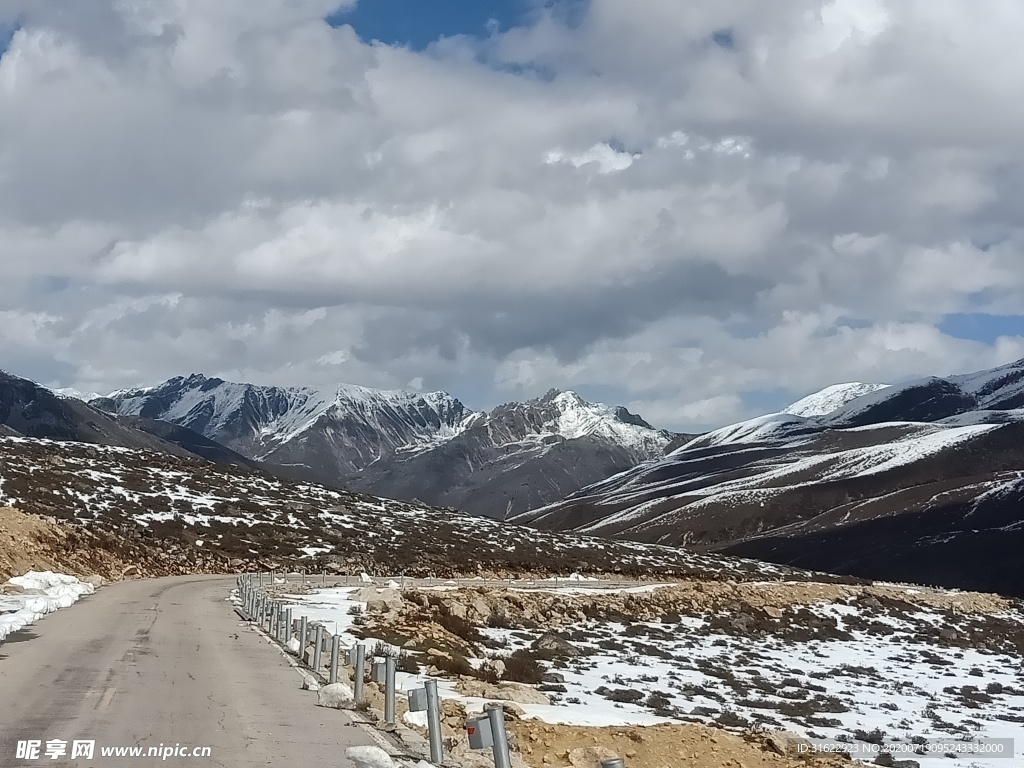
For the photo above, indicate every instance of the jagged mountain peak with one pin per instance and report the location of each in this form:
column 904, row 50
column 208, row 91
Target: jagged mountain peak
column 410, row 444
column 565, row 414
column 260, row 420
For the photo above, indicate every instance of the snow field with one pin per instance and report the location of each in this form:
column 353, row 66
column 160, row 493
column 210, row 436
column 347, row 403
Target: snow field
column 888, row 681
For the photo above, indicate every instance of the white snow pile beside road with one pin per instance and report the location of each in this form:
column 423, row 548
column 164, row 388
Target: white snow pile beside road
column 23, row 599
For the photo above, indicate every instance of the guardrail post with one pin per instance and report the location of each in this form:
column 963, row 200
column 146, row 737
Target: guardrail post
column 615, row 762
column 288, row 625
column 335, row 657
column 316, row 647
column 391, row 665
column 303, row 636
column 360, row 673
column 434, row 722
column 502, row 758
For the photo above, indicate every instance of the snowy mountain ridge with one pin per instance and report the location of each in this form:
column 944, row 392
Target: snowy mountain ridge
column 831, row 399
column 916, row 481
column 411, row 445
column 273, row 416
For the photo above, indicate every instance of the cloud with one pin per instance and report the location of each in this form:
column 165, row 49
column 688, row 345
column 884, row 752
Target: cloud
column 608, row 199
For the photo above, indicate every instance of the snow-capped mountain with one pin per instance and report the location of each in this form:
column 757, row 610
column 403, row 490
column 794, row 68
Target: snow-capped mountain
column 336, row 432
column 921, row 481
column 520, row 455
column 831, row 398
column 409, row 445
column 31, row 410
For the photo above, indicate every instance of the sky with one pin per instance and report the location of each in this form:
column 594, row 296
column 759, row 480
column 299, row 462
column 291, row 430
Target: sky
column 701, row 210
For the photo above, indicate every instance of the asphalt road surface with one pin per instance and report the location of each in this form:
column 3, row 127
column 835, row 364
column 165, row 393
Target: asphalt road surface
column 162, row 662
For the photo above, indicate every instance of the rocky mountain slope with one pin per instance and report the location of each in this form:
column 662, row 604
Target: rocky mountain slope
column 30, row 410
column 193, row 515
column 408, row 445
column 923, row 481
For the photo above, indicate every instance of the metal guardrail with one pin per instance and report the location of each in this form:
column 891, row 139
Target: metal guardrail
column 487, row 732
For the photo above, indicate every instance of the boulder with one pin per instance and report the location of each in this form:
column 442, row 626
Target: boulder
column 379, row 599
column 95, row 580
column 590, row 757
column 334, row 696
column 789, row 744
column 549, row 641
column 504, row 691
column 481, row 608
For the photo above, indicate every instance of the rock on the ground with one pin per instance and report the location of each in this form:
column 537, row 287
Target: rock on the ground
column 370, row 757
column 415, row 719
column 787, row 743
column 96, row 580
column 310, row 683
column 379, row 599
column 334, row 696
column 552, row 642
column 504, row 691
column 590, row 757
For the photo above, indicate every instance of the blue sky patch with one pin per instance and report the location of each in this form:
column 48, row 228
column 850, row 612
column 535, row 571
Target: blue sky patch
column 723, row 38
column 418, row 23
column 7, row 32
column 980, row 326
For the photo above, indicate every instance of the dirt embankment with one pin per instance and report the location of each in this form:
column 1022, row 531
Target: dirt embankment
column 34, row 543
column 660, row 746
column 670, row 745
column 482, row 606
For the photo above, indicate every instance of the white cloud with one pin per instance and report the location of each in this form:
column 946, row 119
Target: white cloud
column 237, row 188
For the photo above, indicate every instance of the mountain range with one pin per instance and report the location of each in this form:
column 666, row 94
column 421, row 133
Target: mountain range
column 922, row 481
column 427, row 447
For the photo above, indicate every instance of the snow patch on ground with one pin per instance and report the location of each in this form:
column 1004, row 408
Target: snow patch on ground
column 45, row 593
column 863, row 680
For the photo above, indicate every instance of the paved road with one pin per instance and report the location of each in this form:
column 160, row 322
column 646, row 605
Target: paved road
column 162, row 661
